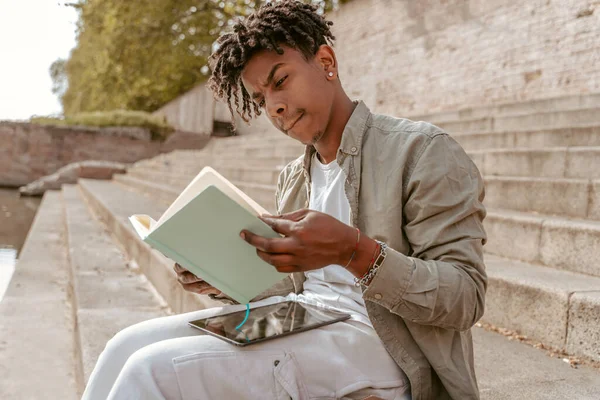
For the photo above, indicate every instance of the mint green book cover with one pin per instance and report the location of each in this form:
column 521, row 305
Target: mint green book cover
column 203, row 237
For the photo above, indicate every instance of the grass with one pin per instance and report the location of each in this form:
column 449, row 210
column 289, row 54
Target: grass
column 158, row 126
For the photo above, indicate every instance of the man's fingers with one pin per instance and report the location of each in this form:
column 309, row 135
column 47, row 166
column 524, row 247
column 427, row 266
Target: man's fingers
column 292, row 216
column 269, row 245
column 178, row 268
column 188, row 277
column 200, row 288
column 277, row 260
column 279, row 225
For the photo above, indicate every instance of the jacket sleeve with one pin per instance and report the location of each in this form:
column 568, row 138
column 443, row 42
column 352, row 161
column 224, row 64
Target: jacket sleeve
column 443, row 281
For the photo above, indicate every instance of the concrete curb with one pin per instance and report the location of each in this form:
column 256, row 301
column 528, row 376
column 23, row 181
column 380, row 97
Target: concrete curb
column 538, row 302
column 562, row 243
column 576, row 198
column 103, row 285
column 112, row 204
column 37, row 309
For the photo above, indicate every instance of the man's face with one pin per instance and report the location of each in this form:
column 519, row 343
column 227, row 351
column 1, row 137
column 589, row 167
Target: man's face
column 298, row 98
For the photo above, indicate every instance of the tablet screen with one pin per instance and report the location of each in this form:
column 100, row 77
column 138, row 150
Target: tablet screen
column 268, row 322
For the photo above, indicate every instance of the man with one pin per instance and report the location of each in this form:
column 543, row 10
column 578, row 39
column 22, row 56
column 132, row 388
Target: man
column 392, row 205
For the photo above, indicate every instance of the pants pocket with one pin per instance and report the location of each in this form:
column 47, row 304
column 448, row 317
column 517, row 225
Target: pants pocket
column 244, row 374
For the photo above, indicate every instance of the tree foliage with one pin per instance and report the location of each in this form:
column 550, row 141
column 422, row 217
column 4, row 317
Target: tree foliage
column 59, row 78
column 139, row 55
column 157, row 125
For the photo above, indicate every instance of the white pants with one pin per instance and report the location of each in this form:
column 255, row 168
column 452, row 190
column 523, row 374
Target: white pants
column 165, row 358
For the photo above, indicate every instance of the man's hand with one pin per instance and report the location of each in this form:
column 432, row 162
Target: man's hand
column 192, row 283
column 312, row 240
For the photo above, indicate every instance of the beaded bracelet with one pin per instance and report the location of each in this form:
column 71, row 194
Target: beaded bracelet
column 374, row 266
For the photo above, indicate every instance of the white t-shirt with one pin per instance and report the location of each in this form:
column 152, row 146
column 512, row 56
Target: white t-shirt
column 333, row 285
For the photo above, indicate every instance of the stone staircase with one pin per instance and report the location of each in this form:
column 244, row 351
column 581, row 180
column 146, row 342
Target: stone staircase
column 73, row 288
column 84, row 274
column 541, row 164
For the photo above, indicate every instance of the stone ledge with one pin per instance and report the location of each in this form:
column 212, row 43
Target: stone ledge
column 537, row 301
column 565, row 103
column 562, row 243
column 113, row 204
column 136, row 133
column 584, row 324
column 555, row 196
column 547, row 138
column 557, row 162
column 37, row 328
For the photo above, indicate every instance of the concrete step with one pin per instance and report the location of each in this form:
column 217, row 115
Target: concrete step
column 176, row 180
column 557, row 308
column 559, row 162
column 273, row 138
column 154, row 185
column 192, row 164
column 248, row 162
column 261, row 193
column 164, row 194
column 108, row 295
column 227, row 154
column 507, row 369
column 546, row 138
column 266, row 175
column 37, row 316
column 588, row 117
column 561, row 243
column 494, row 354
column 566, row 103
column 577, row 198
column 261, row 149
column 113, row 203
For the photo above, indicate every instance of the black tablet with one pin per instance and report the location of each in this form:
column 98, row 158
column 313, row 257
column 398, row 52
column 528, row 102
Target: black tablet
column 268, row 322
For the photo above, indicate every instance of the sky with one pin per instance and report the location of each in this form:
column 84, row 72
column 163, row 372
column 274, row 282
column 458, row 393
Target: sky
column 33, row 34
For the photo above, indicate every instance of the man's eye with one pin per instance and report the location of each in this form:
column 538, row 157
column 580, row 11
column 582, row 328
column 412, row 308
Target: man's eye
column 279, row 82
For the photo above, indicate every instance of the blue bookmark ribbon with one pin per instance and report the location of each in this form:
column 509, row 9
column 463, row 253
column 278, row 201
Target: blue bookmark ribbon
column 237, row 328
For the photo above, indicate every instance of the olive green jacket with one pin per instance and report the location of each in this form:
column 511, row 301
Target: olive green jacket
column 413, row 187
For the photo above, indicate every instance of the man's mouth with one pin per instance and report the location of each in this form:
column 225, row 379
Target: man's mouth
column 293, row 123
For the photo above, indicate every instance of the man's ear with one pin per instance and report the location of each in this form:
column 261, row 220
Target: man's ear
column 325, row 56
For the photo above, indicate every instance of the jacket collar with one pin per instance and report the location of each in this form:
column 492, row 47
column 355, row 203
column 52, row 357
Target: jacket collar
column 352, row 136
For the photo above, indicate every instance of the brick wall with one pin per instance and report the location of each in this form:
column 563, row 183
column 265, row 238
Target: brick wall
column 406, row 57
column 28, row 151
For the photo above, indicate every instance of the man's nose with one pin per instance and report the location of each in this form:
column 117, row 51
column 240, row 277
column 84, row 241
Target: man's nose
column 276, row 108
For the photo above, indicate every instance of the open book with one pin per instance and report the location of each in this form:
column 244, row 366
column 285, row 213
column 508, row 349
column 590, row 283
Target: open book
column 201, row 231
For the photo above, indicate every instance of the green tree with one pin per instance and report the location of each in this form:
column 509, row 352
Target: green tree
column 59, row 77
column 139, row 55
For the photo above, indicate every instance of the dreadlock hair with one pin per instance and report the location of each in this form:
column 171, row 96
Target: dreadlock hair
column 288, row 22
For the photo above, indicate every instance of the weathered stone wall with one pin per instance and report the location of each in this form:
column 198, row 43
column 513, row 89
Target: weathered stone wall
column 196, row 110
column 28, row 151
column 408, row 57
column 193, row 112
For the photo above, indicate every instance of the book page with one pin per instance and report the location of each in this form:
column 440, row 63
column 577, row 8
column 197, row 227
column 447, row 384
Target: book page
column 143, row 224
column 208, row 176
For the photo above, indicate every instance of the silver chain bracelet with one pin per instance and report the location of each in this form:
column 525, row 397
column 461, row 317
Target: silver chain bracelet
column 371, row 272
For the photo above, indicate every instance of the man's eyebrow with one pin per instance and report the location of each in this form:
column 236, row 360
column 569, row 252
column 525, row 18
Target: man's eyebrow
column 256, row 95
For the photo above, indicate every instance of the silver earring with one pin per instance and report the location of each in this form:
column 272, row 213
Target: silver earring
column 330, row 73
